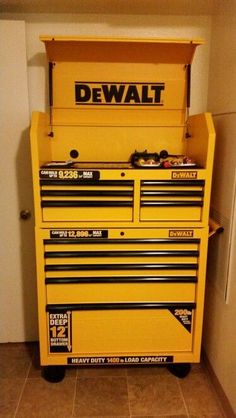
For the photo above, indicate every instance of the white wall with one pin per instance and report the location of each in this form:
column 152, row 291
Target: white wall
column 17, row 282
column 220, row 313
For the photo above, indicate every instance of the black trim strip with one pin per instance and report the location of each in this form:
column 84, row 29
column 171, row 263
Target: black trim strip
column 187, row 193
column 50, row 83
column 72, row 182
column 83, row 203
column 121, row 279
column 118, row 306
column 86, row 193
column 188, row 76
column 138, row 253
column 133, row 266
column 172, row 182
column 181, row 241
column 172, row 203
column 119, row 104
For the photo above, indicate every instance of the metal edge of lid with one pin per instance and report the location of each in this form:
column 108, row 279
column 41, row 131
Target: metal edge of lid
column 169, row 50
column 59, row 38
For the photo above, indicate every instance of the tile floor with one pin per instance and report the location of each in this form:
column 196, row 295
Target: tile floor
column 101, row 392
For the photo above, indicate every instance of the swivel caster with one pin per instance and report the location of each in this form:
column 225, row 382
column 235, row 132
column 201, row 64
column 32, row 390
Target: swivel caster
column 54, row 374
column 180, row 370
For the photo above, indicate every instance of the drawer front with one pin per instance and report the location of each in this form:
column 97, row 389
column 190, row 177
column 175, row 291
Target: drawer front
column 80, row 200
column 73, row 291
column 103, row 214
column 110, row 329
column 171, row 200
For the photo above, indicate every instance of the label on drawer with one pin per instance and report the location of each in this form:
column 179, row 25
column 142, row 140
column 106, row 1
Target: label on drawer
column 184, row 316
column 183, row 175
column 181, row 233
column 88, row 361
column 59, row 328
column 78, row 233
column 69, row 174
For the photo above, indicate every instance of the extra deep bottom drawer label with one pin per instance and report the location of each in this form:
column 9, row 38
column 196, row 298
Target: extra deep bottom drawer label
column 59, row 328
column 94, row 361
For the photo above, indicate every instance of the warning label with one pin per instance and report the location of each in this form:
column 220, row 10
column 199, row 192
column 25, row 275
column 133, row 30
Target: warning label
column 68, row 174
column 184, row 316
column 59, row 327
column 92, row 361
column 78, row 233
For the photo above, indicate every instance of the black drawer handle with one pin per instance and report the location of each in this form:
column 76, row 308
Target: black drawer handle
column 108, row 254
column 183, row 193
column 172, row 203
column 84, row 204
column 99, row 267
column 172, row 183
column 118, row 306
column 120, row 279
column 95, row 193
column 95, row 241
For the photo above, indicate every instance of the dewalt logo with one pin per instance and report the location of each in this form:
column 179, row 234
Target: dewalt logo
column 182, row 175
column 181, row 233
column 118, row 94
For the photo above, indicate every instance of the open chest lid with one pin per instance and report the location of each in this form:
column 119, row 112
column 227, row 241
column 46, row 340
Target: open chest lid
column 101, row 81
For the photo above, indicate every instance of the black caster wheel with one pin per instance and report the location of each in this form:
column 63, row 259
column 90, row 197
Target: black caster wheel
column 54, row 374
column 180, row 370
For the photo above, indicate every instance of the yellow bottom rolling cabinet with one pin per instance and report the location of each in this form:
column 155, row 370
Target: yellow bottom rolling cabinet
column 120, row 297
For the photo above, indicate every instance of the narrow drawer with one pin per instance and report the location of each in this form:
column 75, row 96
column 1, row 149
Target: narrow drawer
column 80, row 200
column 171, row 200
column 88, row 213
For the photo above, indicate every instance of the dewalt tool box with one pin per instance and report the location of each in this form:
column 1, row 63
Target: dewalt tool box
column 122, row 181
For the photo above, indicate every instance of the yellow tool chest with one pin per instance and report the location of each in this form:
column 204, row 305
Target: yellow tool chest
column 122, row 183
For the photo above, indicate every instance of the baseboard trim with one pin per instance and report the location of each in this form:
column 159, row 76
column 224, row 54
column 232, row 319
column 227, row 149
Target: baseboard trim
column 227, row 408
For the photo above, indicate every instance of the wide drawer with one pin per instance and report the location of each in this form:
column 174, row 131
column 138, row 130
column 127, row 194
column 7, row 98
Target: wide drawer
column 120, row 328
column 78, row 291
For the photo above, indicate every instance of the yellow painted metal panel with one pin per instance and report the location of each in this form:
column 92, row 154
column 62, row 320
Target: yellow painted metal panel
column 139, row 331
column 97, row 88
column 87, row 214
column 111, row 142
column 121, row 292
column 128, row 49
column 123, row 234
column 113, row 118
column 174, row 214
